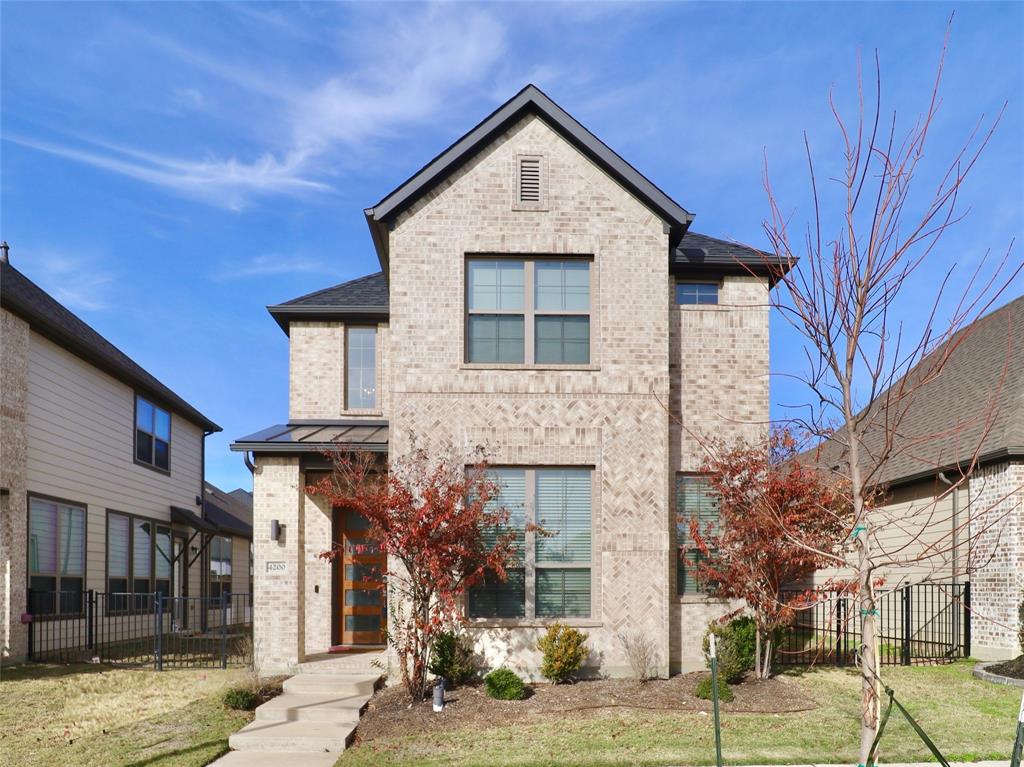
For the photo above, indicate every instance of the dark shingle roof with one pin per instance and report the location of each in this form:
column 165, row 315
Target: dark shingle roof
column 361, row 298
column 973, row 407
column 700, row 254
column 48, row 317
column 230, row 512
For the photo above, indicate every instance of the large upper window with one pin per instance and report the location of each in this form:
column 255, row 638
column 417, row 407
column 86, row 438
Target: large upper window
column 528, row 311
column 56, row 557
column 557, row 503
column 139, row 560
column 152, row 434
column 693, row 293
column 220, row 566
column 694, row 502
column 360, row 367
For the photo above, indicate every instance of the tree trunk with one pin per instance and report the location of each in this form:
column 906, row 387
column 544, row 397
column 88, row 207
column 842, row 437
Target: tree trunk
column 766, row 667
column 868, row 649
column 757, row 653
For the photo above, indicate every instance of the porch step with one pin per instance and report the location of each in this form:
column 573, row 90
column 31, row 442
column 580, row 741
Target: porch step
column 312, row 707
column 275, row 759
column 301, row 737
column 342, row 685
column 372, row 662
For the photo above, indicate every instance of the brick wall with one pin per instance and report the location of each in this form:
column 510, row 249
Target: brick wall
column 14, row 342
column 996, row 559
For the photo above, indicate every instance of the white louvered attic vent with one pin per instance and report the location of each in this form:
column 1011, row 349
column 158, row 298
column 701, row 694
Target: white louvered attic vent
column 529, row 179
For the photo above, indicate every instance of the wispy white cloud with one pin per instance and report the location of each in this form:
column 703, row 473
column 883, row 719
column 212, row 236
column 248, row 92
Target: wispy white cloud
column 78, row 280
column 267, row 265
column 405, row 76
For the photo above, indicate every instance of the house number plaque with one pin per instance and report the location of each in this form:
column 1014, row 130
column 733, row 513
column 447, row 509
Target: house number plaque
column 277, row 567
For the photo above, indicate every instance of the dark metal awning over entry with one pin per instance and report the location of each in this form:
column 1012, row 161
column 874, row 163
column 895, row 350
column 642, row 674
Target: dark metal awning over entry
column 191, row 519
column 317, row 436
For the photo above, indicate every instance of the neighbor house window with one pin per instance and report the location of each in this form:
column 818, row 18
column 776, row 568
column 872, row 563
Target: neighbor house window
column 528, row 311
column 360, row 368
column 56, row 557
column 550, row 512
column 220, row 567
column 138, row 561
column 152, row 434
column 694, row 502
column 691, row 293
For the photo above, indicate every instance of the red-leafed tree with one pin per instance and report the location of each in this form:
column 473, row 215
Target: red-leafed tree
column 432, row 518
column 780, row 520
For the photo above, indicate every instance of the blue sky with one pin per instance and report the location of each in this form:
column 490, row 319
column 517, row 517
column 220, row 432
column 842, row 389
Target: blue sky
column 170, row 169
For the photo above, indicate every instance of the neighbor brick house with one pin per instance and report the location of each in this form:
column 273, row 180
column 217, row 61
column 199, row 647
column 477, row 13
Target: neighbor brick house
column 540, row 297
column 101, row 479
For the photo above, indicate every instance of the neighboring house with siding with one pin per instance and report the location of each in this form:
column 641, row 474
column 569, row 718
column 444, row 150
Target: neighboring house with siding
column 540, row 297
column 937, row 526
column 101, row 469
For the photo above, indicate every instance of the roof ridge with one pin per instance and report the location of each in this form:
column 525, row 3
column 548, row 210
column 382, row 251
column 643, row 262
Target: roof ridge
column 353, row 281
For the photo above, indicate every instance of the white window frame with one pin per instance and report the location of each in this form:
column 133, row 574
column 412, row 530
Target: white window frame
column 376, row 376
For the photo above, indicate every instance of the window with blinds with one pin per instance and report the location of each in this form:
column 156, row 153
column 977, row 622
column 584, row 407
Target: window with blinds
column 220, row 566
column 694, row 501
column 139, row 562
column 556, row 561
column 56, row 557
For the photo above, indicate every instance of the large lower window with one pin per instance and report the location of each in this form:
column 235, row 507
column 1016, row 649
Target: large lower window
column 56, row 557
column 550, row 510
column 694, row 502
column 220, row 567
column 360, row 368
column 152, row 435
column 534, row 311
column 139, row 558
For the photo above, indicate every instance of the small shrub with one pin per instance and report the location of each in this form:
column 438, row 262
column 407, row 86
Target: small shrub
column 703, row 690
column 735, row 646
column 641, row 653
column 503, row 684
column 564, row 650
column 452, row 659
column 247, row 695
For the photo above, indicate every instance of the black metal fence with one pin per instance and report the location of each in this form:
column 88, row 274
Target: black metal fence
column 140, row 629
column 920, row 623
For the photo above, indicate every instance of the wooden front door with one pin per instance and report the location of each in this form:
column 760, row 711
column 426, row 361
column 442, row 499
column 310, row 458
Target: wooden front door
column 361, row 609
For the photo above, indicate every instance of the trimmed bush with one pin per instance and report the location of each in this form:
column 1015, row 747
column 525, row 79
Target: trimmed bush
column 564, row 650
column 504, row 684
column 703, row 690
column 452, row 659
column 735, row 642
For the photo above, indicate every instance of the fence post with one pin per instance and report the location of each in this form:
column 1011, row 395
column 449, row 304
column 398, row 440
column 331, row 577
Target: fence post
column 967, row 619
column 90, row 618
column 907, row 610
column 223, row 629
column 31, row 623
column 159, row 649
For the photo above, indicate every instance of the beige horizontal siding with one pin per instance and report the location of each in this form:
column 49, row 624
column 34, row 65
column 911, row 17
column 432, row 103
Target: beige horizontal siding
column 80, row 436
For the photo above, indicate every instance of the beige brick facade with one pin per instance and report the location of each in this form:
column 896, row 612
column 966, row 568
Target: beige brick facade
column 708, row 364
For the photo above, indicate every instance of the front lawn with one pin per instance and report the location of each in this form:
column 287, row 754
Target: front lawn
column 967, row 718
column 97, row 715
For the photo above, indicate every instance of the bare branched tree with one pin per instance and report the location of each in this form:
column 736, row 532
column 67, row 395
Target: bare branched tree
column 852, row 268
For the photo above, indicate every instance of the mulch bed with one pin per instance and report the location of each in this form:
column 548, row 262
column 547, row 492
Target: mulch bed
column 1011, row 668
column 389, row 712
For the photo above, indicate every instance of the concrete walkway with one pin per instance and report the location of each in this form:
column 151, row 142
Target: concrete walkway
column 313, row 721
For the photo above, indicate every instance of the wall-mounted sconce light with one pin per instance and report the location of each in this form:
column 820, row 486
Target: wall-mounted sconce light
column 275, row 530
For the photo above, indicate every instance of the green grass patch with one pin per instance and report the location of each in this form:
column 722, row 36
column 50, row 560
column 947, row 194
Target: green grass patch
column 968, row 719
column 94, row 714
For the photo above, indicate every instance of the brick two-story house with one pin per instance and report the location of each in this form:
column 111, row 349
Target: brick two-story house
column 540, row 296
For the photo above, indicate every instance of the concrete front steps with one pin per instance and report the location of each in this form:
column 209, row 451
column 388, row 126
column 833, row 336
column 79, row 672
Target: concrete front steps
column 308, row 725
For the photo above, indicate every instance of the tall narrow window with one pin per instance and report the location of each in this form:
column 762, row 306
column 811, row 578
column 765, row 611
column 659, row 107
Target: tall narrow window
column 694, row 503
column 119, row 557
column 546, row 324
column 142, row 562
column 152, row 434
column 56, row 554
column 361, row 367
column 162, row 561
column 220, row 567
column 495, row 598
column 563, row 550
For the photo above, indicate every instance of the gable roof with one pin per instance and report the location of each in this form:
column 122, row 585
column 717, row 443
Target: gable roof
column 973, row 407
column 530, row 99
column 698, row 254
column 230, row 512
column 49, row 318
column 364, row 298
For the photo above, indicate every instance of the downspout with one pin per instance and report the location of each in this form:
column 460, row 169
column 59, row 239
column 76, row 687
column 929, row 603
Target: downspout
column 248, row 462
